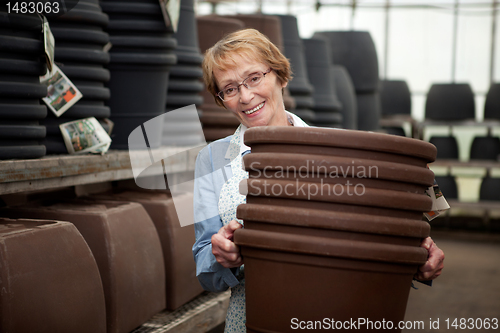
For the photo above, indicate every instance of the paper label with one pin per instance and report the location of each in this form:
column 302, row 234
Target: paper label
column 171, row 10
column 439, row 203
column 61, row 92
column 85, row 135
column 48, row 44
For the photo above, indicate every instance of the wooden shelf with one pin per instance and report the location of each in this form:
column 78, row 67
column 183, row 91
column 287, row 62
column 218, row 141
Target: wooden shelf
column 55, row 171
column 200, row 315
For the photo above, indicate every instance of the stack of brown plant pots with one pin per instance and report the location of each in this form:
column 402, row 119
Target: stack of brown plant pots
column 217, row 122
column 332, row 224
column 49, row 279
column 180, row 271
column 126, row 248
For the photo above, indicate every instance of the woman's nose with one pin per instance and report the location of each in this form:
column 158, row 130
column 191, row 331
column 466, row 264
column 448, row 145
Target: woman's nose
column 246, row 94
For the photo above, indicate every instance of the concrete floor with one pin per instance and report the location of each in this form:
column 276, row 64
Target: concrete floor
column 469, row 286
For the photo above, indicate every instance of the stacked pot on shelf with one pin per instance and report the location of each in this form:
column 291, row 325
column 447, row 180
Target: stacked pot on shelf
column 21, row 65
column 355, row 50
column 184, row 86
column 79, row 53
column 332, row 224
column 320, row 73
column 300, row 87
column 140, row 60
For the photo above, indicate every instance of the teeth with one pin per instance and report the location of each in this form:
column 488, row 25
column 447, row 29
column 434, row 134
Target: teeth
column 258, row 107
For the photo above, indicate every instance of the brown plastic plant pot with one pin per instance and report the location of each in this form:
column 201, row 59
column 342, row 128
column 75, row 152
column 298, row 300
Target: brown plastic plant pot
column 333, row 224
column 127, row 249
column 338, row 193
column 312, row 278
column 347, row 181
column 49, row 279
column 180, row 271
column 350, row 139
column 336, row 167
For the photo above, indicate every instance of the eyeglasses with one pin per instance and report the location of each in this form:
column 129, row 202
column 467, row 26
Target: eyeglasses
column 250, row 82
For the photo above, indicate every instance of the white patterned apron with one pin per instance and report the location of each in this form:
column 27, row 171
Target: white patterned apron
column 229, row 199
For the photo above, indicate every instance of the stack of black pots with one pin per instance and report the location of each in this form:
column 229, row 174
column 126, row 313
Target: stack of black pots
column 356, row 51
column 21, row 65
column 141, row 57
column 448, row 102
column 488, row 148
column 184, row 87
column 395, row 100
column 347, row 97
column 79, row 42
column 320, row 72
column 217, row 122
column 300, row 87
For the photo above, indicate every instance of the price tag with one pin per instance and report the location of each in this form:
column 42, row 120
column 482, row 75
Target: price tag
column 48, row 44
column 171, row 10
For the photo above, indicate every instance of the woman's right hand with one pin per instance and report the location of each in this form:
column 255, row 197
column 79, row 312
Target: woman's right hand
column 225, row 251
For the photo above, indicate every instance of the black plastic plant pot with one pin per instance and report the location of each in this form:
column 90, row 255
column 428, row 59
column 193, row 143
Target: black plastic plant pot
column 186, row 71
column 182, row 99
column 143, row 26
column 71, row 35
column 489, row 189
column 188, row 50
column 450, row 101
column 320, row 73
column 55, row 145
column 25, row 110
column 179, row 84
column 136, row 90
column 327, row 119
column 88, row 72
column 22, row 90
column 124, row 124
column 303, row 101
column 81, row 55
column 448, row 186
column 447, row 147
column 83, row 109
column 142, row 43
column 485, row 148
column 21, row 130
column 368, row 111
column 347, row 97
column 355, row 51
column 395, row 97
column 492, row 104
column 9, row 150
column 23, row 45
column 22, row 67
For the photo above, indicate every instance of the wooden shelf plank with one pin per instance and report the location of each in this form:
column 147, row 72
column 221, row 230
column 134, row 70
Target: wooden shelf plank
column 198, row 316
column 68, row 170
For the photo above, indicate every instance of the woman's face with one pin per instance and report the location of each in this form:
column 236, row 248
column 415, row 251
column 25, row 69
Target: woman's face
column 259, row 106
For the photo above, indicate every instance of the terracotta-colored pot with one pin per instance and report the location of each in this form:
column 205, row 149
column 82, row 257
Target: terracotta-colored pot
column 49, row 279
column 126, row 247
column 292, row 278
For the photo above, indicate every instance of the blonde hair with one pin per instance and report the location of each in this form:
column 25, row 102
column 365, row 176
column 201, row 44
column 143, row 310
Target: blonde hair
column 248, row 43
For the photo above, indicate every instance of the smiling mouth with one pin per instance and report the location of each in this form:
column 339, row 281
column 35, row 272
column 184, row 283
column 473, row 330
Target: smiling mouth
column 257, row 108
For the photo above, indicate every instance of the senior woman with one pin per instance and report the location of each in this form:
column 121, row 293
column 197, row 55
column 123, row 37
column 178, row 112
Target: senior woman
column 246, row 74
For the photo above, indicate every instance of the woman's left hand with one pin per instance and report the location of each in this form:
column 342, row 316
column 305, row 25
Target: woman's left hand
column 435, row 262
